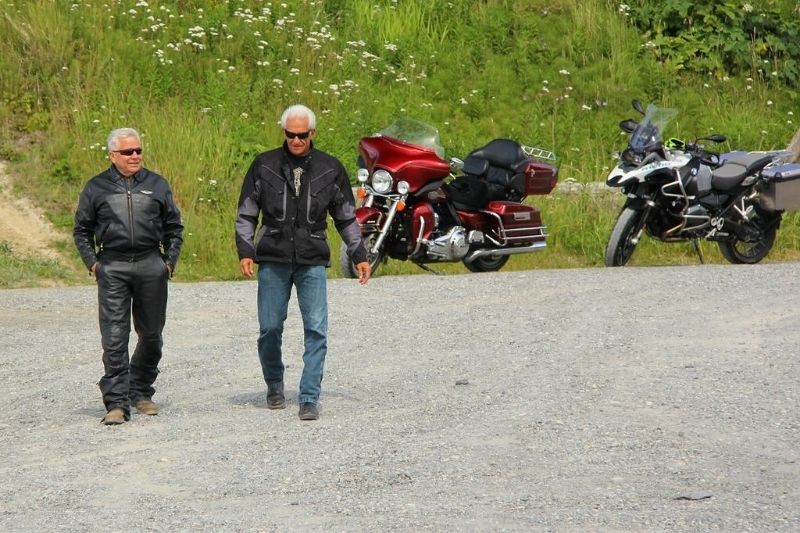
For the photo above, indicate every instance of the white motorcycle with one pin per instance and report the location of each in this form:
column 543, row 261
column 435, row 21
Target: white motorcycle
column 678, row 191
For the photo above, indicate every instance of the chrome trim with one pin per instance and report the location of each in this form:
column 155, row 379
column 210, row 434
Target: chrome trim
column 509, row 236
column 535, row 247
column 386, row 225
column 419, row 237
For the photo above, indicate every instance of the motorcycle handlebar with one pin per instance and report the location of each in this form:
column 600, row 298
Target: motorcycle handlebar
column 699, row 151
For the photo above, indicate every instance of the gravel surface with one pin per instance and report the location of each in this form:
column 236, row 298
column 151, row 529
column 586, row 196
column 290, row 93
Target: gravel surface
column 645, row 399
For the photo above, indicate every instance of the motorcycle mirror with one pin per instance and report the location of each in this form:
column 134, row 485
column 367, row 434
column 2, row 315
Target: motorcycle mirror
column 637, row 105
column 717, row 138
column 628, row 125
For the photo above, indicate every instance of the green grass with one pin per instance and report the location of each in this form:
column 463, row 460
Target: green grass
column 18, row 271
column 205, row 82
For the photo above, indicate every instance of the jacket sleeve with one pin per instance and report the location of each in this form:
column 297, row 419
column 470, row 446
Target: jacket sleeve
column 247, row 214
column 173, row 230
column 83, row 230
column 343, row 211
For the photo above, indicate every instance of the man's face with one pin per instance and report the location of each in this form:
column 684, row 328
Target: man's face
column 127, row 165
column 298, row 146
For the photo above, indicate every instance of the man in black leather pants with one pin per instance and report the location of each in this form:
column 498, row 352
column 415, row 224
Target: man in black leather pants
column 128, row 232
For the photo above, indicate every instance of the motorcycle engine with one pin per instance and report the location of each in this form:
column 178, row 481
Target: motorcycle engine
column 452, row 246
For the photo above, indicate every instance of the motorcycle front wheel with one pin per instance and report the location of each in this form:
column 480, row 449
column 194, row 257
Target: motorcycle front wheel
column 348, row 269
column 487, row 263
column 748, row 253
column 624, row 237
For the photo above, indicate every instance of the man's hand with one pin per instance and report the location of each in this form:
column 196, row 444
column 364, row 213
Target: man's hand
column 364, row 271
column 248, row 268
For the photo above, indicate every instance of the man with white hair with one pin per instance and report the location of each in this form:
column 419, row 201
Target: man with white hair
column 129, row 234
column 293, row 188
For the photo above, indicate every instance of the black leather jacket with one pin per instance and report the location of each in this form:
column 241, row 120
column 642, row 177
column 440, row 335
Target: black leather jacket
column 127, row 219
column 293, row 226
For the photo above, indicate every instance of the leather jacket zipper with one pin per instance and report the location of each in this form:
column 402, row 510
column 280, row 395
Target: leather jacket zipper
column 130, row 210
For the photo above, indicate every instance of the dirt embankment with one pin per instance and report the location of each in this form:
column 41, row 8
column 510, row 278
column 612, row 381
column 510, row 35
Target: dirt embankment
column 23, row 227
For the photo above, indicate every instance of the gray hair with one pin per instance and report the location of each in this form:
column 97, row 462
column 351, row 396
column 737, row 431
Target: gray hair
column 121, row 133
column 299, row 111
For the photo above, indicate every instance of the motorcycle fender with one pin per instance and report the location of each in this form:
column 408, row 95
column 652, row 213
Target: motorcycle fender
column 637, row 202
column 368, row 216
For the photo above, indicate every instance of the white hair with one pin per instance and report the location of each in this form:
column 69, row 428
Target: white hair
column 299, row 111
column 121, row 133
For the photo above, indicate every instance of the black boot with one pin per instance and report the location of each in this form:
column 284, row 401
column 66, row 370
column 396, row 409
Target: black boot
column 275, row 397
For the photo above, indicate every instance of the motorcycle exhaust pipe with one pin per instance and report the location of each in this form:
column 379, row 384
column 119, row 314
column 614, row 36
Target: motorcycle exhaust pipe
column 535, row 247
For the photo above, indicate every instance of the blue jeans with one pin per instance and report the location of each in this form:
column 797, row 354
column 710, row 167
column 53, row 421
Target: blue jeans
column 275, row 282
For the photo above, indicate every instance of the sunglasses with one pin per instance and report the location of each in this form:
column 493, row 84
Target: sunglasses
column 302, row 135
column 129, row 151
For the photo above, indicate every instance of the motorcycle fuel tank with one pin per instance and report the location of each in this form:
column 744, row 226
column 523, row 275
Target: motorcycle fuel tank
column 414, row 164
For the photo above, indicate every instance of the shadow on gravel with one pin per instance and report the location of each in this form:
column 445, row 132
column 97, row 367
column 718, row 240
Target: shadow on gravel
column 259, row 399
column 94, row 412
column 256, row 399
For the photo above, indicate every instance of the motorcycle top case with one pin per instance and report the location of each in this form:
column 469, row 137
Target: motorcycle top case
column 781, row 191
column 540, row 178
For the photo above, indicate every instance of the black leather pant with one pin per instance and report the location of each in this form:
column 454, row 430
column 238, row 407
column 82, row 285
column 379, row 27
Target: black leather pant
column 123, row 286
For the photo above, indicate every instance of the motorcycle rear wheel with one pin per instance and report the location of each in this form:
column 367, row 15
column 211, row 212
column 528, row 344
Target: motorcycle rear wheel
column 487, row 263
column 348, row 269
column 748, row 253
column 621, row 242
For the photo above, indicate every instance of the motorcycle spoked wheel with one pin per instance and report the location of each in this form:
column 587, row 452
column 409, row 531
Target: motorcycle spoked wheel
column 620, row 244
column 749, row 253
column 348, row 269
column 487, row 263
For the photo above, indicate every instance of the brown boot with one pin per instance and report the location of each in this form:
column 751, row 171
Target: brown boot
column 114, row 417
column 146, row 406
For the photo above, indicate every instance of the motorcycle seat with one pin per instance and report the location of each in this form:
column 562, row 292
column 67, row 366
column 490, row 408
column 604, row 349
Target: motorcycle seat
column 734, row 170
column 503, row 153
column 502, row 163
column 476, row 166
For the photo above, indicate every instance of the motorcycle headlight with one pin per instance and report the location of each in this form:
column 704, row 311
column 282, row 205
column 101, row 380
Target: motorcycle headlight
column 381, row 181
column 362, row 175
column 402, row 187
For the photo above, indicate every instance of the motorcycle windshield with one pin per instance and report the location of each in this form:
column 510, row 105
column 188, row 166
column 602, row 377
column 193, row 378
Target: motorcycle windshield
column 414, row 132
column 651, row 128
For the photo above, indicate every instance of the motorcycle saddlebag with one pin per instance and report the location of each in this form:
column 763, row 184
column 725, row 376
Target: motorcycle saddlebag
column 521, row 224
column 781, row 191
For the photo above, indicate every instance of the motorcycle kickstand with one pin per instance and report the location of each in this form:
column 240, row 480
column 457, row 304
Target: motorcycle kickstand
column 429, row 269
column 699, row 251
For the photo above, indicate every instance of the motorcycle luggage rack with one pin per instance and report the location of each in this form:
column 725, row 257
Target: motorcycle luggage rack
column 538, row 153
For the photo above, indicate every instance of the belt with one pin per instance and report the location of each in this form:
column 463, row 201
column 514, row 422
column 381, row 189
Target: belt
column 126, row 256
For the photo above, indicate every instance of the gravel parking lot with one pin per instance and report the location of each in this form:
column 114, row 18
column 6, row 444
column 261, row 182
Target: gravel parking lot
column 635, row 399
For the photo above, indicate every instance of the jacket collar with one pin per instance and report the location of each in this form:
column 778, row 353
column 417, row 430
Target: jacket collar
column 287, row 153
column 117, row 175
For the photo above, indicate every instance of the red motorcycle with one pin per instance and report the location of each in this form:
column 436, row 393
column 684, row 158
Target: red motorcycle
column 414, row 207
